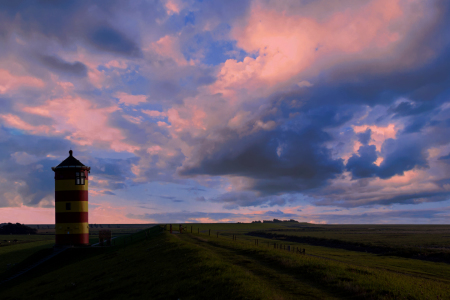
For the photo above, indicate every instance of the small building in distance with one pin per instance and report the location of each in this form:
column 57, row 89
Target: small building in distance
column 71, row 202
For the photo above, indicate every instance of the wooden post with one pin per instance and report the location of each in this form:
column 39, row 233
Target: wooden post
column 198, row 230
column 210, row 232
column 217, row 235
column 191, row 229
column 170, row 228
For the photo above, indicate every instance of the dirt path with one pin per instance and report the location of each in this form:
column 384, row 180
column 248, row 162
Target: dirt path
column 286, row 283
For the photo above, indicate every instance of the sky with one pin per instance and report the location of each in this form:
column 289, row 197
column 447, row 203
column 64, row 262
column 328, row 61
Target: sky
column 329, row 112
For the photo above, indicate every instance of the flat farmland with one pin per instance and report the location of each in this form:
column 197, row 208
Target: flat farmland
column 395, row 236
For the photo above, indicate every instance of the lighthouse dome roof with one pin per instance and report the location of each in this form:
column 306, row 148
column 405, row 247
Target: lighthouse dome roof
column 70, row 162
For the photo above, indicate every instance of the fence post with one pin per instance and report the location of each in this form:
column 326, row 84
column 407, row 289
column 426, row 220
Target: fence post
column 217, row 235
column 198, row 230
column 210, row 232
column 191, row 229
column 170, row 228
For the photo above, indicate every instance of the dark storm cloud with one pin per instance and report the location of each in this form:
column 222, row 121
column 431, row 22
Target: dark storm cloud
column 113, row 173
column 401, row 155
column 55, row 63
column 69, row 22
column 445, row 157
column 111, row 40
column 270, row 156
column 365, row 137
column 413, row 198
column 362, row 165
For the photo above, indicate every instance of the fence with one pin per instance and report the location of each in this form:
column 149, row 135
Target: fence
column 279, row 246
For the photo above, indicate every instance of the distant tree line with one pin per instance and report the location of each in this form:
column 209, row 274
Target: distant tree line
column 275, row 221
column 17, row 228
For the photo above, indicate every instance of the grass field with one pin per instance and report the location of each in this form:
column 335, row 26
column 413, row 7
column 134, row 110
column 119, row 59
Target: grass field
column 158, row 265
column 14, row 253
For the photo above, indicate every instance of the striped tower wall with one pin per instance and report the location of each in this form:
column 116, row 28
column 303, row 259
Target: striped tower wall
column 71, row 207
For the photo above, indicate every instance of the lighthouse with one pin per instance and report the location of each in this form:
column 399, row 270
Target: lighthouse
column 71, row 202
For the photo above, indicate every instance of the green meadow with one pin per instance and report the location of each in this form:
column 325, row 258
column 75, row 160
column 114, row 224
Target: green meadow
column 209, row 264
column 13, row 253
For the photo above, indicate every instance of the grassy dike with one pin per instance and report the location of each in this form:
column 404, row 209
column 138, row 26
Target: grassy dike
column 158, row 265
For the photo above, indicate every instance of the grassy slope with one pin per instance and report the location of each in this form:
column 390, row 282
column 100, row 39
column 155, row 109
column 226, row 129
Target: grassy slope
column 28, row 244
column 196, row 266
column 163, row 267
column 363, row 281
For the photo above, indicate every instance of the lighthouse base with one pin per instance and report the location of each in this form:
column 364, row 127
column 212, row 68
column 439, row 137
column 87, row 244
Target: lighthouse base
column 72, row 239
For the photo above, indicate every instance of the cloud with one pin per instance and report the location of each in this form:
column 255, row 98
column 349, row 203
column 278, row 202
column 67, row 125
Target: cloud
column 130, row 99
column 363, row 164
column 261, row 103
column 304, row 163
column 109, row 39
column 213, row 217
column 55, row 63
column 10, row 81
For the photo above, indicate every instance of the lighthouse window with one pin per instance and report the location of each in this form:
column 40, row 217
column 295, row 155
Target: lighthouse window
column 79, row 178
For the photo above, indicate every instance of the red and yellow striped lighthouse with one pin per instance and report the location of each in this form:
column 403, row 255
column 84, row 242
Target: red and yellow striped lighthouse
column 71, row 202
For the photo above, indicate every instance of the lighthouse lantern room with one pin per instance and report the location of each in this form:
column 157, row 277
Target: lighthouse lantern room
column 71, row 202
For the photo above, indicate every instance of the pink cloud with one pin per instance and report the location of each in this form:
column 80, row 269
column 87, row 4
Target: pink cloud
column 128, row 99
column 154, row 113
column 169, row 46
column 14, row 121
column 174, row 6
column 10, row 82
column 379, row 134
column 368, row 190
column 290, row 44
column 83, row 122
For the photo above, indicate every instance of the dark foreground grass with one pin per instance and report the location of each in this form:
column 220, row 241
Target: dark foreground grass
column 14, row 254
column 157, row 265
column 345, row 280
